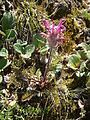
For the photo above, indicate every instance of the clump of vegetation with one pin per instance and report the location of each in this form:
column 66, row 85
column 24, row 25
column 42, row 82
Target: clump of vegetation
column 44, row 60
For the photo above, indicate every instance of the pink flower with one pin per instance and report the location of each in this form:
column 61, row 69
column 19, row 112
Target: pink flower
column 54, row 34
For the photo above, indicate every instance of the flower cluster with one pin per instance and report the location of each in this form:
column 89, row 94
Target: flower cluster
column 54, row 34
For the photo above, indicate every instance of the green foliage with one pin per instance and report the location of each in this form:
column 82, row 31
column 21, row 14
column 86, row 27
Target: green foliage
column 3, row 53
column 8, row 31
column 10, row 34
column 7, row 21
column 44, row 49
column 43, row 85
column 81, row 62
column 84, row 55
column 2, row 33
column 38, row 40
column 85, row 14
column 74, row 61
column 40, row 44
column 1, row 78
column 28, row 50
column 24, row 49
column 27, row 19
column 19, row 113
column 4, row 63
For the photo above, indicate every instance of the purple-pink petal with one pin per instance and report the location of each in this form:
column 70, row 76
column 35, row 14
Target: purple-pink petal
column 60, row 27
column 46, row 24
column 53, row 27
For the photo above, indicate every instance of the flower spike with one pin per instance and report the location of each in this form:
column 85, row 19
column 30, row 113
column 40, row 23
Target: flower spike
column 54, row 34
